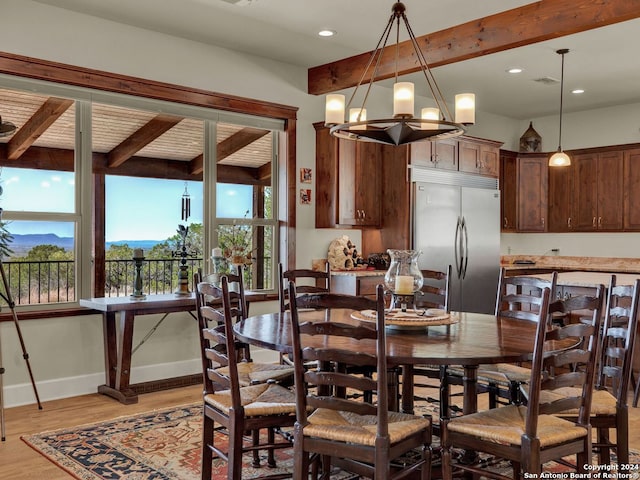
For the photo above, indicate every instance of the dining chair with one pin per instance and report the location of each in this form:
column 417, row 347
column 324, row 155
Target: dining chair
column 308, row 281
column 517, row 297
column 358, row 436
column 228, row 400
column 609, row 406
column 249, row 372
column 531, row 435
column 433, row 294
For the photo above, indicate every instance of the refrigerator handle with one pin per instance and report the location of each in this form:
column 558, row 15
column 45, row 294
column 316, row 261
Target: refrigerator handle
column 465, row 256
column 457, row 245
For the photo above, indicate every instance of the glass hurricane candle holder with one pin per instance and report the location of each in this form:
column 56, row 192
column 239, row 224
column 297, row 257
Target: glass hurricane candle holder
column 403, row 278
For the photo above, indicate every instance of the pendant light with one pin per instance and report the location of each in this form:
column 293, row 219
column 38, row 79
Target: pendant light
column 560, row 159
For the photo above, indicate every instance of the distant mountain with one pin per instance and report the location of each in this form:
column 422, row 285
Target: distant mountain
column 29, row 241
column 23, row 243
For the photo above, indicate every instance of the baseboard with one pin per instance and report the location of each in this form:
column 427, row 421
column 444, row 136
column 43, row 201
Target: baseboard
column 23, row 394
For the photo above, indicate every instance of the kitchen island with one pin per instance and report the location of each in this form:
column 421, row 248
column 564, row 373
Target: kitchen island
column 357, row 281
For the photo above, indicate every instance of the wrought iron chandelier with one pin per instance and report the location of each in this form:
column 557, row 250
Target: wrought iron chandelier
column 403, row 127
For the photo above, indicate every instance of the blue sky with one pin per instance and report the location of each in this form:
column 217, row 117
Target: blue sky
column 137, row 208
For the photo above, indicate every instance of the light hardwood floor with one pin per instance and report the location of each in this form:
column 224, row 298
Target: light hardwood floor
column 20, row 462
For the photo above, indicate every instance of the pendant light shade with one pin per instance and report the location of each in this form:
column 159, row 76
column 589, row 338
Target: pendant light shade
column 560, row 159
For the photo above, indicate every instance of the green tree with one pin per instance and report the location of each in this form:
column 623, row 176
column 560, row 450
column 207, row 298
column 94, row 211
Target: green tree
column 45, row 252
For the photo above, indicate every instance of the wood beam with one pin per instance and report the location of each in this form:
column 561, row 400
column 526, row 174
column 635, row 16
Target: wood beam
column 39, row 122
column 521, row 26
column 196, row 166
column 238, row 141
column 264, row 172
column 141, row 138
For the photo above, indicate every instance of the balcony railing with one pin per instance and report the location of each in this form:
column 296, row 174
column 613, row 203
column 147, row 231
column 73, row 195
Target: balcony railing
column 53, row 281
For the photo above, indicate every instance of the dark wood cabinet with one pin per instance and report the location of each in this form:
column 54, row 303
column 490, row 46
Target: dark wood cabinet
column 532, row 193
column 348, row 181
column 478, row 157
column 508, row 190
column 598, row 191
column 442, row 154
column 632, row 189
column 560, row 211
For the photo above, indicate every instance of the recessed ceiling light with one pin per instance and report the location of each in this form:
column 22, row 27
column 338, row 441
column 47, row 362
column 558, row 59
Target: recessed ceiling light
column 577, row 91
column 515, row 70
column 327, row 33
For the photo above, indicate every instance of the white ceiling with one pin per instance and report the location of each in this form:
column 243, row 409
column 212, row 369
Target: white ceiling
column 604, row 62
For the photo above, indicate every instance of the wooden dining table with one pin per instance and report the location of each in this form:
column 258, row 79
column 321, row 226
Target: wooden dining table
column 473, row 340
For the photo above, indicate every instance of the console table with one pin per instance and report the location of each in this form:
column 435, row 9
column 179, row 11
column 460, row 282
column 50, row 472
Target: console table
column 121, row 312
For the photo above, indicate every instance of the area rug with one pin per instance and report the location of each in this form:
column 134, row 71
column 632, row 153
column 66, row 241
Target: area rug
column 159, row 445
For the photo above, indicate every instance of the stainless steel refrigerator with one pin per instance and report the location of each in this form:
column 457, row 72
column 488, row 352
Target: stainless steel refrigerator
column 456, row 221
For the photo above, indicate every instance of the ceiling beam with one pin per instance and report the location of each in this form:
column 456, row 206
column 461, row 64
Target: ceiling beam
column 33, row 128
column 141, row 138
column 521, row 26
column 238, row 141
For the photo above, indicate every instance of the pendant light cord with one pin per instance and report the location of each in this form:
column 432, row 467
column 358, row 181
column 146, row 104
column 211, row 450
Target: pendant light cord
column 561, row 52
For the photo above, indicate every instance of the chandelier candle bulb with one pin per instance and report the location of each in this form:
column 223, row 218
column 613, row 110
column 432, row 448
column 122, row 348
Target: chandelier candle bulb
column 404, row 285
column 358, row 115
column 403, row 99
column 466, row 108
column 430, row 114
column 334, row 109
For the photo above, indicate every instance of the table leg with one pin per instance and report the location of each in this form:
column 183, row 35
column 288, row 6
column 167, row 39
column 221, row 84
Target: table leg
column 407, row 389
column 470, row 386
column 118, row 346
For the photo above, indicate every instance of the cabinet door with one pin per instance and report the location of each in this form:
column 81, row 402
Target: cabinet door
column 532, row 193
column 508, row 191
column 489, row 160
column 445, row 154
column 610, row 195
column 560, row 199
column 326, row 175
column 347, row 182
column 469, row 159
column 421, row 154
column 368, row 183
column 632, row 189
column 585, row 191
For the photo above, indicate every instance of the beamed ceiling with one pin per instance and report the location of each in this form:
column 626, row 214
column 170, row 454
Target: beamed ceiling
column 127, row 141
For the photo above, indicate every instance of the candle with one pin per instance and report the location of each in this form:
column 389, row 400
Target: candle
column 138, row 253
column 404, row 285
column 216, row 252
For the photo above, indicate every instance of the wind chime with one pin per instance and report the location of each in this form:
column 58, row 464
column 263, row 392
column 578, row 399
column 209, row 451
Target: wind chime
column 183, row 230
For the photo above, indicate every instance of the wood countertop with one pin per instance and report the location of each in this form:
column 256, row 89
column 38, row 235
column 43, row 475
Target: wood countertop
column 359, row 273
column 545, row 263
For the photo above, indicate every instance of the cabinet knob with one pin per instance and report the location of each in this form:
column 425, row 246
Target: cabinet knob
column 593, row 223
column 506, row 222
column 599, row 221
column 569, row 222
column 543, row 221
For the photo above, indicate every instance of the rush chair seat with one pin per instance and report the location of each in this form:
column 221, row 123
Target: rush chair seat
column 249, row 372
column 236, row 408
column 532, row 435
column 517, row 296
column 360, row 437
column 609, row 406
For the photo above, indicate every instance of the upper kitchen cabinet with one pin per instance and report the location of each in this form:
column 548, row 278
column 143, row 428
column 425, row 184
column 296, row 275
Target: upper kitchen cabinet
column 479, row 156
column 632, row 189
column 442, row 154
column 533, row 184
column 348, row 184
column 561, row 199
column 598, row 191
column 508, row 190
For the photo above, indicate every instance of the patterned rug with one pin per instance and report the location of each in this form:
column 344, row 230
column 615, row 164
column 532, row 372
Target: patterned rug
column 157, row 445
